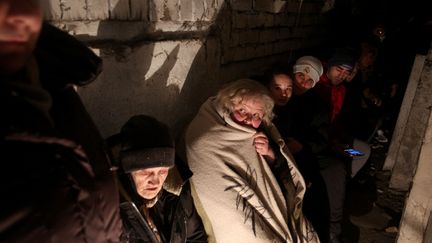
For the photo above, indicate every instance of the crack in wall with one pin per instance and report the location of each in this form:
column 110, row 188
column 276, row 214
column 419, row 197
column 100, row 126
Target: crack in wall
column 87, row 9
column 63, row 8
column 109, row 9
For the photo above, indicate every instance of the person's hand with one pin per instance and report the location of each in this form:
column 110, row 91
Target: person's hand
column 393, row 90
column 293, row 145
column 339, row 148
column 373, row 98
column 262, row 147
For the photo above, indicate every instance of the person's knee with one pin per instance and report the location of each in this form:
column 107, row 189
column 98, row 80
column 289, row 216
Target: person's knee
column 335, row 172
column 359, row 162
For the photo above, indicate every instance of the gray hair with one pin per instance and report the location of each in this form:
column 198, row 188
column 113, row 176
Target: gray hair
column 233, row 93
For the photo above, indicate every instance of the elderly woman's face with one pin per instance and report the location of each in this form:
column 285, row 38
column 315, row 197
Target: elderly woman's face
column 149, row 182
column 249, row 112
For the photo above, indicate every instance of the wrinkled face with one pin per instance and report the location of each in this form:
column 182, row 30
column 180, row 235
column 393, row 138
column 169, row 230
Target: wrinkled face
column 302, row 83
column 338, row 74
column 249, row 112
column 281, row 89
column 148, row 182
column 20, row 25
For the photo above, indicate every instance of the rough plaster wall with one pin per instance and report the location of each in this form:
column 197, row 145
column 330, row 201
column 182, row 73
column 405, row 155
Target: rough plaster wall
column 418, row 207
column 417, row 123
column 417, row 212
column 151, row 79
column 401, row 125
column 428, row 233
column 165, row 57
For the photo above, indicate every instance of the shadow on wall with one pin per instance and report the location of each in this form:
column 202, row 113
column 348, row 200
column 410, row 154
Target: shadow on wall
column 165, row 76
column 136, row 71
column 202, row 83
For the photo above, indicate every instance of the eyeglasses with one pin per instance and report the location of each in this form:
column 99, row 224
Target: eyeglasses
column 244, row 113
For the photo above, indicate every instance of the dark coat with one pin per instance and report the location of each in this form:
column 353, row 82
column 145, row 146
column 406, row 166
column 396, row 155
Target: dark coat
column 56, row 182
column 311, row 122
column 293, row 121
column 175, row 216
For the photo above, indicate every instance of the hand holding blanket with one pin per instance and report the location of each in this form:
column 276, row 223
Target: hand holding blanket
column 236, row 193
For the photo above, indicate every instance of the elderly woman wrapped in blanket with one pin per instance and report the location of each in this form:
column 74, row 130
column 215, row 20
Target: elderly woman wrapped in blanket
column 246, row 185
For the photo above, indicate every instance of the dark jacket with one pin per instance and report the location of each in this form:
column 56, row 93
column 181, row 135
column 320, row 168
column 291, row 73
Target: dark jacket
column 174, row 216
column 56, row 182
column 311, row 121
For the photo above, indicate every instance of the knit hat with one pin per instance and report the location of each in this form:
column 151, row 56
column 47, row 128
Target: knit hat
column 344, row 58
column 145, row 143
column 309, row 65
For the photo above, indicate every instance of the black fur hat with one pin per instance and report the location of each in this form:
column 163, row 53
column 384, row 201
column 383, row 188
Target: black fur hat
column 145, row 143
column 343, row 57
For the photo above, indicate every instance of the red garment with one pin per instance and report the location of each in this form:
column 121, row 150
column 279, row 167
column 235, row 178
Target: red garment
column 334, row 95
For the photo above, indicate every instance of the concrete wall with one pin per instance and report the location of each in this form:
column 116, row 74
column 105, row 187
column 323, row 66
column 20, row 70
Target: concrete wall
column 398, row 138
column 416, row 221
column 411, row 126
column 165, row 57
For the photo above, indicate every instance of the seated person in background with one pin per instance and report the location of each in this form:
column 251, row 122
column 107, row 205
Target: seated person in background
column 363, row 103
column 245, row 189
column 332, row 90
column 317, row 127
column 280, row 85
column 145, row 150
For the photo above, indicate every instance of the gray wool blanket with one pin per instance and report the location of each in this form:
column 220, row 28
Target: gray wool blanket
column 234, row 188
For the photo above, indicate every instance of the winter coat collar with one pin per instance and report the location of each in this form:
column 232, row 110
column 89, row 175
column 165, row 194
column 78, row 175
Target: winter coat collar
column 71, row 63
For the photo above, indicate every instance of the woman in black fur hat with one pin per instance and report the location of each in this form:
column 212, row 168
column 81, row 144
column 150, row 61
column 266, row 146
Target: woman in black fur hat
column 145, row 150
